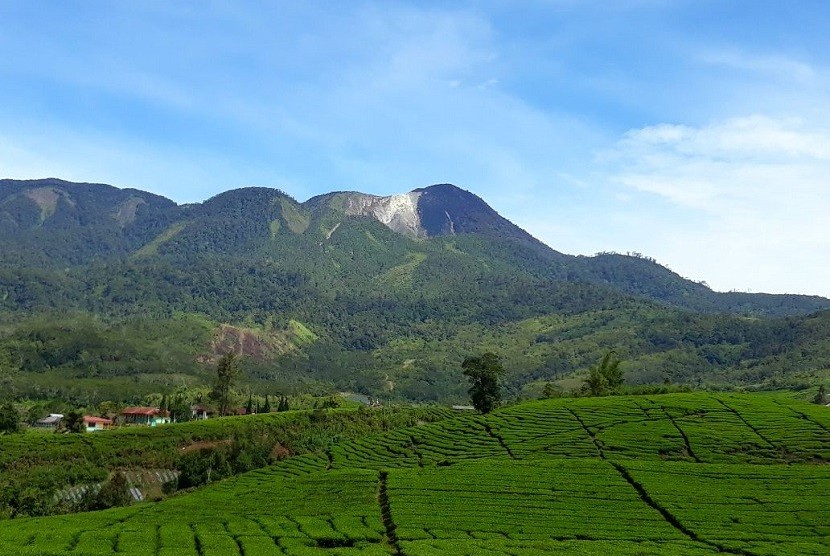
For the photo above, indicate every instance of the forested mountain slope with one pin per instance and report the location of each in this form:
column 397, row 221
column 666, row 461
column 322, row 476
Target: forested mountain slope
column 356, row 291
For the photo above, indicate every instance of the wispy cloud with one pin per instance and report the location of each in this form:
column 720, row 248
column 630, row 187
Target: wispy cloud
column 777, row 66
column 761, row 186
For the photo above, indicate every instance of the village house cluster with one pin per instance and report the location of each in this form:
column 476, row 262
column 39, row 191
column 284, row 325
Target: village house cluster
column 131, row 416
column 145, row 416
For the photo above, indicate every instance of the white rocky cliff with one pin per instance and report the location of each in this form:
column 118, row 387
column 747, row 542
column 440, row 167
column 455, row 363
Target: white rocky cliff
column 398, row 212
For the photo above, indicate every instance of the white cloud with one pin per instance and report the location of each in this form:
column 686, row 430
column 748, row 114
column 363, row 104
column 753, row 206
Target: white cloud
column 759, row 185
column 773, row 65
column 755, row 137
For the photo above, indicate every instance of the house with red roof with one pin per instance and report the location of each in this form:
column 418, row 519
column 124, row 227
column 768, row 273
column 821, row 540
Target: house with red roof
column 148, row 416
column 93, row 424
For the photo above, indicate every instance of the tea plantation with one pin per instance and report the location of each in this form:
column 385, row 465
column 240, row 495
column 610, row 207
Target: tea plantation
column 680, row 474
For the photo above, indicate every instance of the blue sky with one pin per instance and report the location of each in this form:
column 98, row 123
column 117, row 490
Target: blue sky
column 696, row 132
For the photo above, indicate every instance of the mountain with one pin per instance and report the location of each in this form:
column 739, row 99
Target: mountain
column 353, row 291
column 53, row 223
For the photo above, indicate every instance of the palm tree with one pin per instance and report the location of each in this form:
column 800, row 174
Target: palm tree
column 605, row 377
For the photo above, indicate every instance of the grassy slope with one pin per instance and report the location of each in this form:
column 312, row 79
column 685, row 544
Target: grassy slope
column 676, row 474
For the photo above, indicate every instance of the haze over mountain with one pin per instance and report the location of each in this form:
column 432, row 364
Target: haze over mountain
column 363, row 292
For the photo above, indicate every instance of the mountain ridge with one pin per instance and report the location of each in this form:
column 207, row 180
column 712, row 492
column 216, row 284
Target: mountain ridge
column 52, row 222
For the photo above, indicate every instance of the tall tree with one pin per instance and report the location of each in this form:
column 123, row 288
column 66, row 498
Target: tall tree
column 7, row 369
column 74, row 422
column 484, row 373
column 180, row 408
column 227, row 372
column 9, row 418
column 114, row 492
column 605, row 377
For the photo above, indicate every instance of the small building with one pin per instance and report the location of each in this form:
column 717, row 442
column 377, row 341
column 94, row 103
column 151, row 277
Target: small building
column 147, row 416
column 52, row 422
column 200, row 412
column 463, row 408
column 93, row 424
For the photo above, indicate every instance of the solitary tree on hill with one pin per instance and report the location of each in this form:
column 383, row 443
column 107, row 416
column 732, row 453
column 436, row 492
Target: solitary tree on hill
column 605, row 377
column 227, row 371
column 484, row 373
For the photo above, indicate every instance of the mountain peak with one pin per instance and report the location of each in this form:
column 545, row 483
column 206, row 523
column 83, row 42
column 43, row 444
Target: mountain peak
column 436, row 210
column 441, row 187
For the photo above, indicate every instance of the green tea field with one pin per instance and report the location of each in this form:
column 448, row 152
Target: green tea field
column 678, row 474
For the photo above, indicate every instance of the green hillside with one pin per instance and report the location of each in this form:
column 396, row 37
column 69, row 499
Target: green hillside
column 411, row 350
column 660, row 475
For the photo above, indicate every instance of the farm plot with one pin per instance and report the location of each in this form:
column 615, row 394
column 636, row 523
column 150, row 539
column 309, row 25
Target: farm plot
column 705, row 428
column 765, row 510
column 630, row 429
column 784, row 426
column 754, row 429
column 502, row 547
column 438, row 443
column 318, row 510
column 500, row 508
column 457, row 440
column 543, row 429
column 378, row 451
column 298, row 466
